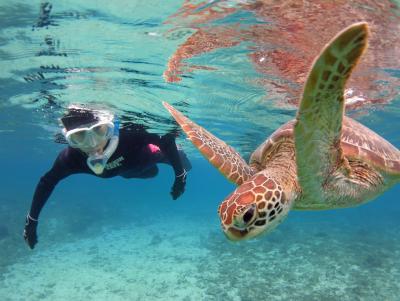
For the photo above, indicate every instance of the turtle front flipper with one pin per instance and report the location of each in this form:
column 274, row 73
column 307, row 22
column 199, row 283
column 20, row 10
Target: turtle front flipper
column 319, row 119
column 222, row 156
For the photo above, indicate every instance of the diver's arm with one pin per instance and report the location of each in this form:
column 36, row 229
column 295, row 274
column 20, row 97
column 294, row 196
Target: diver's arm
column 168, row 147
column 42, row 193
column 60, row 170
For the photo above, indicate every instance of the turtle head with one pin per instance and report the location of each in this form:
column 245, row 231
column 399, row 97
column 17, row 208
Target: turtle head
column 255, row 207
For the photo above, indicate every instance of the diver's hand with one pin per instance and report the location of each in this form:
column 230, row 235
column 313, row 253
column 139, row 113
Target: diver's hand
column 30, row 235
column 179, row 185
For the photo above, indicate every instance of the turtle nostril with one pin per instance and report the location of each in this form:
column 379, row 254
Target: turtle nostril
column 248, row 216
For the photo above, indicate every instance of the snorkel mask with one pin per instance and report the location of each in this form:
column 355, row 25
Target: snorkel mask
column 97, row 161
column 89, row 130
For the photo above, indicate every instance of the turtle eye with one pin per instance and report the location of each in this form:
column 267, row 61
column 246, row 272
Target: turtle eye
column 248, row 215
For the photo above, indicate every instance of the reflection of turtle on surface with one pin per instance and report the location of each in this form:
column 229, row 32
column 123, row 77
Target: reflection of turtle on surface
column 320, row 160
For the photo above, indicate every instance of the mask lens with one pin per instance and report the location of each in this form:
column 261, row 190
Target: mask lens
column 90, row 136
column 78, row 137
column 101, row 130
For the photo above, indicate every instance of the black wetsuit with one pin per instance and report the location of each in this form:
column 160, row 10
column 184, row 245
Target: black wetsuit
column 133, row 158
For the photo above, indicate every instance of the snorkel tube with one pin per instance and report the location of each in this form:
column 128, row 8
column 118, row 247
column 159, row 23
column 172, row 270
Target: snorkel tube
column 97, row 162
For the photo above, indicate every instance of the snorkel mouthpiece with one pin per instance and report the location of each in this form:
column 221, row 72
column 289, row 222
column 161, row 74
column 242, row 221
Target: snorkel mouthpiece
column 97, row 163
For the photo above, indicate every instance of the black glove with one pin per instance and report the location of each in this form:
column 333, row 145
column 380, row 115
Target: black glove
column 30, row 235
column 179, row 185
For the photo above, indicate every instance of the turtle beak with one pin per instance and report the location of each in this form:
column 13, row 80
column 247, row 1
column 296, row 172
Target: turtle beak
column 235, row 234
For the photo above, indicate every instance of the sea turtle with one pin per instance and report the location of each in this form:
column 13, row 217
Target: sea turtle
column 320, row 160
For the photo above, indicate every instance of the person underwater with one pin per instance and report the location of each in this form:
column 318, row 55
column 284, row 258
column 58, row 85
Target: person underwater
column 97, row 146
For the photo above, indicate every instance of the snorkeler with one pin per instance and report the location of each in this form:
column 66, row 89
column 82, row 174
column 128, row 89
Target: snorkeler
column 97, row 146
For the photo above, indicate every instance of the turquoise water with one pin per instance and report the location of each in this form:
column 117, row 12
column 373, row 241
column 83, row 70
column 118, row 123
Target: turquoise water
column 119, row 239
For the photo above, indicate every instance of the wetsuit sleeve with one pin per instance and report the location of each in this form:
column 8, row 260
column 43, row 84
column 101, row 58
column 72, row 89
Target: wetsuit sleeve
column 168, row 147
column 62, row 168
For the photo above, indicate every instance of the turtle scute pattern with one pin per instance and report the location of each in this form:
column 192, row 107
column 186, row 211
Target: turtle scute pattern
column 326, row 82
column 227, row 160
column 337, row 67
column 360, row 142
column 262, row 194
column 218, row 153
column 318, row 127
column 313, row 162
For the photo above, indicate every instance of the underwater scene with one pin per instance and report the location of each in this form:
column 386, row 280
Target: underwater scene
column 191, row 230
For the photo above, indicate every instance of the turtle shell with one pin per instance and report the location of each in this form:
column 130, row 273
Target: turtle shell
column 358, row 142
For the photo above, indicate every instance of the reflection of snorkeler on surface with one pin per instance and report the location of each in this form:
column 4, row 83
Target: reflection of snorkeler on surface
column 97, row 146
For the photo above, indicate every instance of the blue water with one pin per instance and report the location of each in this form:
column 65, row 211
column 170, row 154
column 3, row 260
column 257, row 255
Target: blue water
column 119, row 239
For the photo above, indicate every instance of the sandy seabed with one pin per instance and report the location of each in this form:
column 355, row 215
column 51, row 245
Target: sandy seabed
column 190, row 259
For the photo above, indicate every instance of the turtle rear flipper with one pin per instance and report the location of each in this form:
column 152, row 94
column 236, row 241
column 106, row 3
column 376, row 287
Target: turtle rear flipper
column 318, row 125
column 217, row 152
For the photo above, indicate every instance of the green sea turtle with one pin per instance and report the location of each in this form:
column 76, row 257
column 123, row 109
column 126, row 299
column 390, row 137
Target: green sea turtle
column 320, row 160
